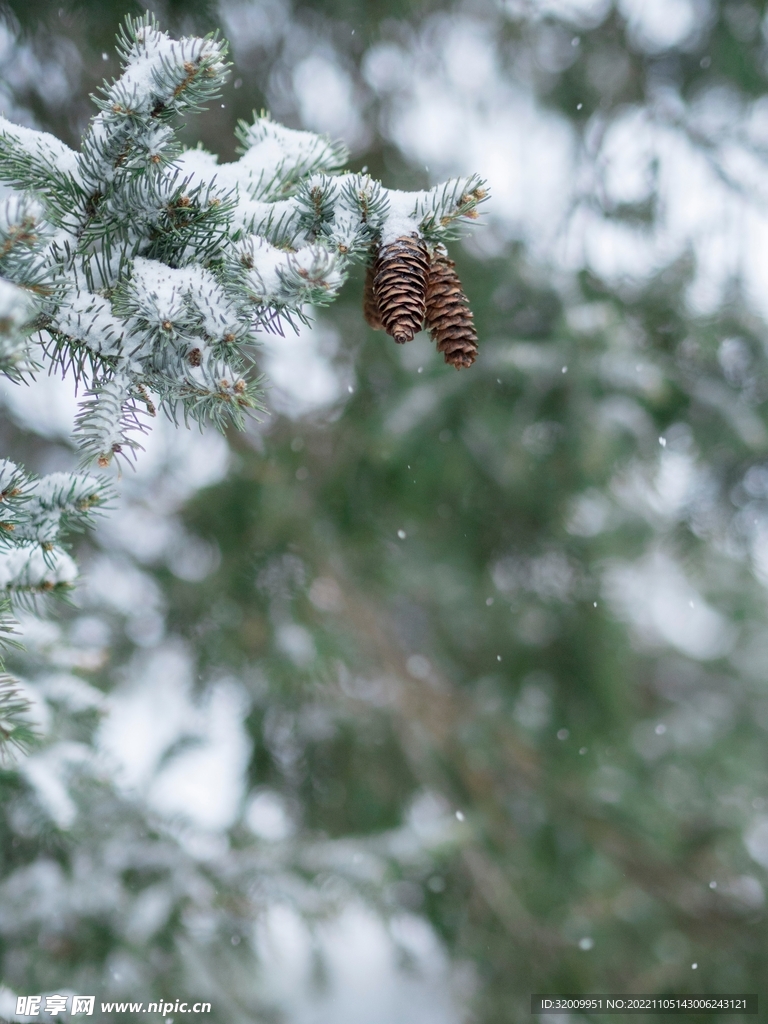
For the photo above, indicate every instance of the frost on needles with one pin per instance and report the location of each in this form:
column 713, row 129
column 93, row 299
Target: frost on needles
column 148, row 271
column 152, row 269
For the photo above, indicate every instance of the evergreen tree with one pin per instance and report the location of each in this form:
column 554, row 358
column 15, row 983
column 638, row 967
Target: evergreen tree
column 376, row 563
column 147, row 271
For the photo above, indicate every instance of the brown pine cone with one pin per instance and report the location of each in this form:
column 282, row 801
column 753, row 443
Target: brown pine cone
column 370, row 305
column 400, row 285
column 448, row 317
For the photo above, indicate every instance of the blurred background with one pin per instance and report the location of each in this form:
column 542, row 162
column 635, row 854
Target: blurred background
column 430, row 690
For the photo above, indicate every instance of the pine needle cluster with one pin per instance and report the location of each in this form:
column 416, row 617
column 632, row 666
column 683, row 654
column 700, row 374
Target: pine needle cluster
column 147, row 272
column 154, row 269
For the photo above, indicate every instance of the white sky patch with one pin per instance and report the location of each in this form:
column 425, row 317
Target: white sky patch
column 148, row 714
column 626, row 165
column 657, row 599
column 74, row 693
column 696, row 209
column 180, row 459
column 759, row 551
column 457, row 124
column 52, row 75
column 114, row 582
column 326, row 97
column 302, row 374
column 588, row 514
column 297, row 643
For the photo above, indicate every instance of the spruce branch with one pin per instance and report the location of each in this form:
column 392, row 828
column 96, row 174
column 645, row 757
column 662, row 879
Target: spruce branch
column 28, row 571
column 107, row 419
column 43, row 510
column 12, row 501
column 276, row 160
column 441, row 211
column 215, row 394
column 57, row 504
column 16, row 732
column 39, row 163
column 149, row 271
column 163, row 76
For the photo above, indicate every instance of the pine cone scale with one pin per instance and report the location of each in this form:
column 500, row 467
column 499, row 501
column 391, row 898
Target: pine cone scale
column 370, row 305
column 404, row 289
column 448, row 316
column 399, row 286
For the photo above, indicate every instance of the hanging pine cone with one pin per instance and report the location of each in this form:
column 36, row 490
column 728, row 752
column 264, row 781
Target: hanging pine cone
column 400, row 285
column 448, row 316
column 370, row 305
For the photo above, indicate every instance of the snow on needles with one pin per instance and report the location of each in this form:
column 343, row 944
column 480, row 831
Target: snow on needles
column 161, row 266
column 29, row 567
column 182, row 296
column 158, row 68
column 42, row 147
column 275, row 156
column 401, row 218
column 88, row 318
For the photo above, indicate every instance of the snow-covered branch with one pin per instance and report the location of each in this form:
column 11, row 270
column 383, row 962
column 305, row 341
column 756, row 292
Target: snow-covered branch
column 153, row 270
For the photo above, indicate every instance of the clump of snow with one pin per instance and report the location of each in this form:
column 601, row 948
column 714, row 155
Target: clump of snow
column 161, row 290
column 198, row 166
column 318, row 267
column 28, row 566
column 89, row 318
column 65, row 491
column 270, row 219
column 183, row 296
column 42, row 147
column 265, row 262
column 401, row 218
column 275, row 276
column 275, row 153
column 20, row 209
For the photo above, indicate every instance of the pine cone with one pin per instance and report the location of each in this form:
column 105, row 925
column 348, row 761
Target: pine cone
column 370, row 305
column 449, row 318
column 400, row 285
